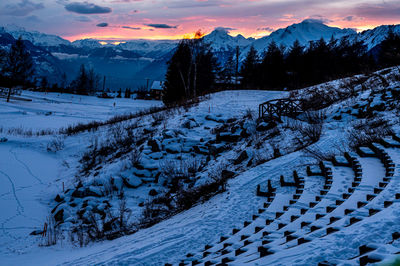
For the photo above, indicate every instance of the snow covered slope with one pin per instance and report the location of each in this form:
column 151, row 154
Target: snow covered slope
column 37, row 38
column 344, row 211
column 375, row 36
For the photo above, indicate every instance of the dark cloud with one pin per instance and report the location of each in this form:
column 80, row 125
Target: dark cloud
column 102, row 25
column 266, row 29
column 21, row 9
column 227, row 29
column 349, row 18
column 161, row 26
column 87, row 8
column 130, row 28
column 319, row 19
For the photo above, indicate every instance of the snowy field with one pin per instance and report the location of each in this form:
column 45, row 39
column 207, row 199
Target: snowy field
column 55, row 110
column 30, row 177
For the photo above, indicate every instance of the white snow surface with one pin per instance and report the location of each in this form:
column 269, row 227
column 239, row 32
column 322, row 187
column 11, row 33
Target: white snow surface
column 30, row 178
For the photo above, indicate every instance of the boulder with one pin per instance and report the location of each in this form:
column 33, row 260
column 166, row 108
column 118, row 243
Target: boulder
column 153, row 192
column 58, row 198
column 226, row 174
column 228, row 137
column 132, row 181
column 200, row 149
column 263, row 126
column 242, row 157
column 155, row 146
column 189, row 124
column 59, row 216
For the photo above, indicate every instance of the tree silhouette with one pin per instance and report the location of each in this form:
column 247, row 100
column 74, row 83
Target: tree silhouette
column 191, row 71
column 250, row 68
column 18, row 65
column 389, row 54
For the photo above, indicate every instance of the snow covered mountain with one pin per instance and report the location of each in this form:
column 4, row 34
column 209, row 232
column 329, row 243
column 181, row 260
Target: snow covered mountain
column 375, row 36
column 220, row 40
column 87, row 43
column 35, row 37
column 129, row 61
column 304, row 32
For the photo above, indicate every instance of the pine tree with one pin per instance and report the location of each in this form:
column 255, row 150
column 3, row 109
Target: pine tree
column 228, row 72
column 81, row 82
column 44, row 84
column 18, row 66
column 191, row 71
column 273, row 67
column 294, row 64
column 389, row 54
column 249, row 69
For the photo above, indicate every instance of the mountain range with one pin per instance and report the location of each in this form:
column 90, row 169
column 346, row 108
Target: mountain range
column 130, row 63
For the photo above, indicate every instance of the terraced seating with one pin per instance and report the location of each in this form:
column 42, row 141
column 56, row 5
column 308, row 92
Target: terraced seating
column 333, row 219
column 311, row 217
column 282, row 220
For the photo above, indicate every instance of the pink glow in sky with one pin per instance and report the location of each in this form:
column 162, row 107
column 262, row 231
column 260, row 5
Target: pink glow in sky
column 173, row 19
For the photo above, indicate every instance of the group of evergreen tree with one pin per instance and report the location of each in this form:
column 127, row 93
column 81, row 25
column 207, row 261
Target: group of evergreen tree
column 86, row 83
column 299, row 66
column 192, row 71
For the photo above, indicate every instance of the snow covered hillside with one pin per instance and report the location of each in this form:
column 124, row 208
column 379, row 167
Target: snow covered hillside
column 321, row 187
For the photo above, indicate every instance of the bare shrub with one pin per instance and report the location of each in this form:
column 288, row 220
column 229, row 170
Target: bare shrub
column 135, row 156
column 178, row 172
column 249, row 114
column 319, row 155
column 56, row 144
column 51, row 233
column 95, row 226
column 315, row 117
column 367, row 131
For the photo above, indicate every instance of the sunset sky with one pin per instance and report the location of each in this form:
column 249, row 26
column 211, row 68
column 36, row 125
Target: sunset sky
column 156, row 19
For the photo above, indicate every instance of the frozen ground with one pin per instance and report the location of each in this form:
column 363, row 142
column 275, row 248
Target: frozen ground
column 55, row 110
column 30, row 177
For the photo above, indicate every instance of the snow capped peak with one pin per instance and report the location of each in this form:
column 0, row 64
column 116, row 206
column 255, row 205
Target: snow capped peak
column 37, row 38
column 220, row 39
column 305, row 31
column 88, row 43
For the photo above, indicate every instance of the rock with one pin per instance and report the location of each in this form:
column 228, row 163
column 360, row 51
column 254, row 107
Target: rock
column 200, row 149
column 226, row 174
column 58, row 198
column 228, row 137
column 59, row 216
column 215, row 119
column 189, row 124
column 87, row 192
column 243, row 156
column 132, row 181
column 36, row 232
column 148, row 130
column 153, row 192
column 155, row 146
column 263, row 126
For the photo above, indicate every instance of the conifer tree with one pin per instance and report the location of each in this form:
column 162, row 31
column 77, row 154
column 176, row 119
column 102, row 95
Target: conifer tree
column 389, row 54
column 249, row 69
column 18, row 66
